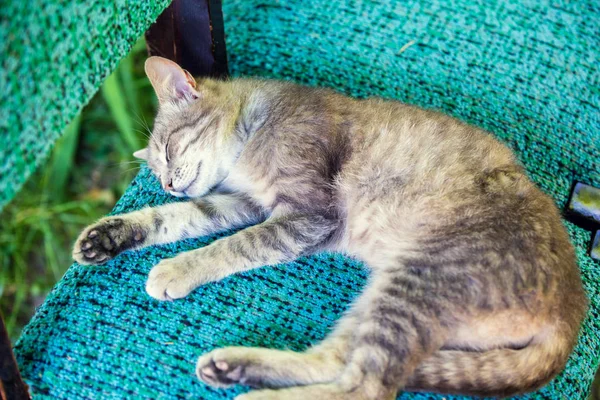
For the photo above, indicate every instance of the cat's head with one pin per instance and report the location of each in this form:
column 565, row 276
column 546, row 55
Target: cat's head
column 192, row 146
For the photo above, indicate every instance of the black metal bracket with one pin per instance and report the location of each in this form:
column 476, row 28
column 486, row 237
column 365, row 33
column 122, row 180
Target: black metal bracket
column 191, row 33
column 583, row 209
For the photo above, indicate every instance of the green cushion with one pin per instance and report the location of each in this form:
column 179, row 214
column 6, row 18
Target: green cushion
column 55, row 55
column 525, row 70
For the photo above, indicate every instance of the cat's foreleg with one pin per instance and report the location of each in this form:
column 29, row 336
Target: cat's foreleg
column 110, row 236
column 278, row 239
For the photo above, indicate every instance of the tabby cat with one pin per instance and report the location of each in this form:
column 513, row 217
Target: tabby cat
column 474, row 286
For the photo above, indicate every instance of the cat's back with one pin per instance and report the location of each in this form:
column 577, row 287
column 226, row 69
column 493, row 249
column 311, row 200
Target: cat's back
column 415, row 143
column 374, row 130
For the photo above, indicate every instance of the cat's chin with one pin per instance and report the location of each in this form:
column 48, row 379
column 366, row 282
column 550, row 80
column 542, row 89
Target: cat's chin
column 178, row 194
column 190, row 193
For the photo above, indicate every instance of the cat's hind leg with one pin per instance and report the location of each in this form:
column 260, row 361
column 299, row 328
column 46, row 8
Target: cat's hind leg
column 312, row 374
column 397, row 322
column 327, row 391
column 260, row 367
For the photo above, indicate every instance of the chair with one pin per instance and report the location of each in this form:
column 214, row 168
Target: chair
column 525, row 71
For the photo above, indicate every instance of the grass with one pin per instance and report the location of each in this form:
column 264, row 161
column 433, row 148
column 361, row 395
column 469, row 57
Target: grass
column 89, row 168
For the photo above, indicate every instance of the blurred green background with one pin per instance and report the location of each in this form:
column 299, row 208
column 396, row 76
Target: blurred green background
column 88, row 170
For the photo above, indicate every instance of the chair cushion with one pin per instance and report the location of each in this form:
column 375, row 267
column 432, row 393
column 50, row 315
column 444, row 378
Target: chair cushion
column 526, row 71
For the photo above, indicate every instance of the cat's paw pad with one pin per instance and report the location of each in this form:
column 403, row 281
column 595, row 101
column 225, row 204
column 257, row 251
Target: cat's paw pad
column 220, row 368
column 171, row 279
column 102, row 241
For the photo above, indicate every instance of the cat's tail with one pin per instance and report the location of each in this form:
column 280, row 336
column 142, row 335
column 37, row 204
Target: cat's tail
column 498, row 372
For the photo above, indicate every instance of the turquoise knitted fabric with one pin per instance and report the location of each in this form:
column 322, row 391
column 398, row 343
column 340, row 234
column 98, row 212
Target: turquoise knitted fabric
column 54, row 56
column 525, row 70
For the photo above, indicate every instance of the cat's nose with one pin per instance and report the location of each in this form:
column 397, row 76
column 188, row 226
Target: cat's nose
column 169, row 186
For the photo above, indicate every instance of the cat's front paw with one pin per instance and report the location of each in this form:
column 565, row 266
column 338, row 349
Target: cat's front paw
column 172, row 278
column 104, row 240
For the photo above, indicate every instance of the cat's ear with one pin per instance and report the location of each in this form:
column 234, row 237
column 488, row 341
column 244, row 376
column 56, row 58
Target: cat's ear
column 142, row 154
column 170, row 81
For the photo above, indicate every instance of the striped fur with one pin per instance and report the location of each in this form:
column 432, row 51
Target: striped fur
column 474, row 286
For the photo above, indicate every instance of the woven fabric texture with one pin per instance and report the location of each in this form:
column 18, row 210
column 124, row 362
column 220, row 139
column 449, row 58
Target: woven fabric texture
column 525, row 70
column 55, row 55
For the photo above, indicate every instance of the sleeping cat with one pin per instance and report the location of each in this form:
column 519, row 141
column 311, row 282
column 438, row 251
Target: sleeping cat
column 474, row 286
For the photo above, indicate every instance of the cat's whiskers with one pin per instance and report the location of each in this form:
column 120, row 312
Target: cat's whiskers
column 146, row 128
column 146, row 135
column 131, row 169
column 121, row 163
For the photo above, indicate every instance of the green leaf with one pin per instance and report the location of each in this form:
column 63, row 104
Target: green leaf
column 61, row 162
column 114, row 97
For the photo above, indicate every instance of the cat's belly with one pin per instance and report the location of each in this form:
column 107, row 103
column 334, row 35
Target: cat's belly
column 501, row 329
column 377, row 231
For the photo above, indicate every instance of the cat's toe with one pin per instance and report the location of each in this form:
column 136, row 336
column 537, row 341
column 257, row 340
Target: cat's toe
column 105, row 240
column 88, row 252
column 218, row 376
column 170, row 279
column 216, row 370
